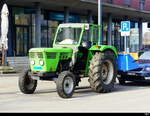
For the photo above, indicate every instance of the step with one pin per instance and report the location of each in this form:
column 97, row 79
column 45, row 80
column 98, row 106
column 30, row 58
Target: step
column 18, row 63
column 7, row 69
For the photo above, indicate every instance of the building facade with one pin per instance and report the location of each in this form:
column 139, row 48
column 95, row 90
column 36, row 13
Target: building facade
column 33, row 23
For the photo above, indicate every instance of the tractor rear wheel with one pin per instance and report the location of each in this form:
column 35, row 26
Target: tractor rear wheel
column 26, row 84
column 103, row 72
column 66, row 84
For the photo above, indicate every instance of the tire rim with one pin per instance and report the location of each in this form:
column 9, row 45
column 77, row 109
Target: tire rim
column 107, row 72
column 68, row 85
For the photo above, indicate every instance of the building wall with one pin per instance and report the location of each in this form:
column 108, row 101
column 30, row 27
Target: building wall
column 118, row 2
column 24, row 19
column 135, row 4
column 132, row 3
column 147, row 5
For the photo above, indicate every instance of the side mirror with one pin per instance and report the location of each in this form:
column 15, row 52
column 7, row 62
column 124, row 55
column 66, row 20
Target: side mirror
column 87, row 27
column 86, row 44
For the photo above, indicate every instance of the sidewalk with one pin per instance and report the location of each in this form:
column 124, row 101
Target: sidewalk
column 10, row 75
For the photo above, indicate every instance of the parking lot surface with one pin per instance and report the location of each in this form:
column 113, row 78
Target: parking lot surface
column 132, row 97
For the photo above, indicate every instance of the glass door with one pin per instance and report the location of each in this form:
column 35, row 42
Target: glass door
column 22, row 40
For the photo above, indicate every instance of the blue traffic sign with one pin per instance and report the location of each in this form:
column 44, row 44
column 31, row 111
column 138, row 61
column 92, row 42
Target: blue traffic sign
column 125, row 26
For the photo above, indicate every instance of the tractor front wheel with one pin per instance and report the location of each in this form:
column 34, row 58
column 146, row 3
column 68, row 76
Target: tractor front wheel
column 66, row 84
column 103, row 72
column 26, row 84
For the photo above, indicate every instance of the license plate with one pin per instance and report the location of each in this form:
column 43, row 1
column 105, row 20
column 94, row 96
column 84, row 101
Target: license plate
column 132, row 74
column 38, row 68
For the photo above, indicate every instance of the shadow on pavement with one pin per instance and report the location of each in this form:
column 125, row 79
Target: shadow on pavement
column 45, row 91
column 138, row 84
column 130, row 86
column 86, row 91
column 8, row 93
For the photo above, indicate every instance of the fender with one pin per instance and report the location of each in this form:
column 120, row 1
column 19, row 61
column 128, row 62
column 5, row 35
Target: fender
column 103, row 48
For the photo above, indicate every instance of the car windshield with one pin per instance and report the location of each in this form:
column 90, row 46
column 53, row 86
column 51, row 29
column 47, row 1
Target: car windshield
column 68, row 36
column 145, row 56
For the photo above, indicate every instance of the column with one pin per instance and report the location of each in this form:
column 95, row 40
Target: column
column 90, row 17
column 38, row 26
column 90, row 21
column 141, row 3
column 140, row 34
column 126, row 38
column 109, row 39
column 66, row 14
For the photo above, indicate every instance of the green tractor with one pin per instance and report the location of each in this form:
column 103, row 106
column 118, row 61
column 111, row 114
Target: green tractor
column 76, row 53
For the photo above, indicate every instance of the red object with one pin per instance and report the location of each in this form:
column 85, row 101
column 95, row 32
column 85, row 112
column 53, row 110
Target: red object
column 133, row 3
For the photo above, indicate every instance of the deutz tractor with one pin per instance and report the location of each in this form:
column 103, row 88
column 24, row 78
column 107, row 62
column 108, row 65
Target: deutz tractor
column 76, row 53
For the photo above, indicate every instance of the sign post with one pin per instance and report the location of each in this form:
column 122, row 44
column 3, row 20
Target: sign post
column 125, row 32
column 100, row 20
column 3, row 55
column 99, row 12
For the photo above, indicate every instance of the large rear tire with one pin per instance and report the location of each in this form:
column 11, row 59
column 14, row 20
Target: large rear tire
column 26, row 84
column 103, row 72
column 66, row 84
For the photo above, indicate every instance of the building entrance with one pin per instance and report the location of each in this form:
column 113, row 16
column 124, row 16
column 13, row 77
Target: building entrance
column 21, row 40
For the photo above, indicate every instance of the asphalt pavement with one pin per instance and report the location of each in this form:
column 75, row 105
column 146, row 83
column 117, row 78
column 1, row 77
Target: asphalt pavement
column 130, row 98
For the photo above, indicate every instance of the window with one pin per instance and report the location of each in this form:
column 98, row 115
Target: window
column 95, row 35
column 142, row 4
column 110, row 1
column 127, row 3
column 20, row 17
column 68, row 36
column 148, row 25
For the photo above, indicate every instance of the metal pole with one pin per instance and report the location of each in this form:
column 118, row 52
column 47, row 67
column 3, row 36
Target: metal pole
column 140, row 34
column 90, row 17
column 66, row 19
column 109, row 29
column 99, row 12
column 100, row 20
column 38, row 25
column 90, row 21
column 3, row 55
column 125, row 43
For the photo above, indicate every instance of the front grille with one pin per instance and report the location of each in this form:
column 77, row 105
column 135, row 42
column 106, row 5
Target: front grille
column 36, row 55
column 51, row 55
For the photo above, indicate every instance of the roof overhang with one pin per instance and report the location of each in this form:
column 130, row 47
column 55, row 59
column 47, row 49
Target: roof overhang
column 120, row 12
column 82, row 6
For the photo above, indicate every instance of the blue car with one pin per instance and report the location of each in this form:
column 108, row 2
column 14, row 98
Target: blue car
column 131, row 69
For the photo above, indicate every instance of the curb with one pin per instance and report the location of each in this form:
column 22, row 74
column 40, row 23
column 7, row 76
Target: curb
column 10, row 75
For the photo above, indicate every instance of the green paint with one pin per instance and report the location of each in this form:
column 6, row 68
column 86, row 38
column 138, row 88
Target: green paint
column 50, row 64
column 63, row 52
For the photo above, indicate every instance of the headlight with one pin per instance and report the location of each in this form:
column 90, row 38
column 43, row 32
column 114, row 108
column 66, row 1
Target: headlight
column 33, row 62
column 148, row 69
column 41, row 63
